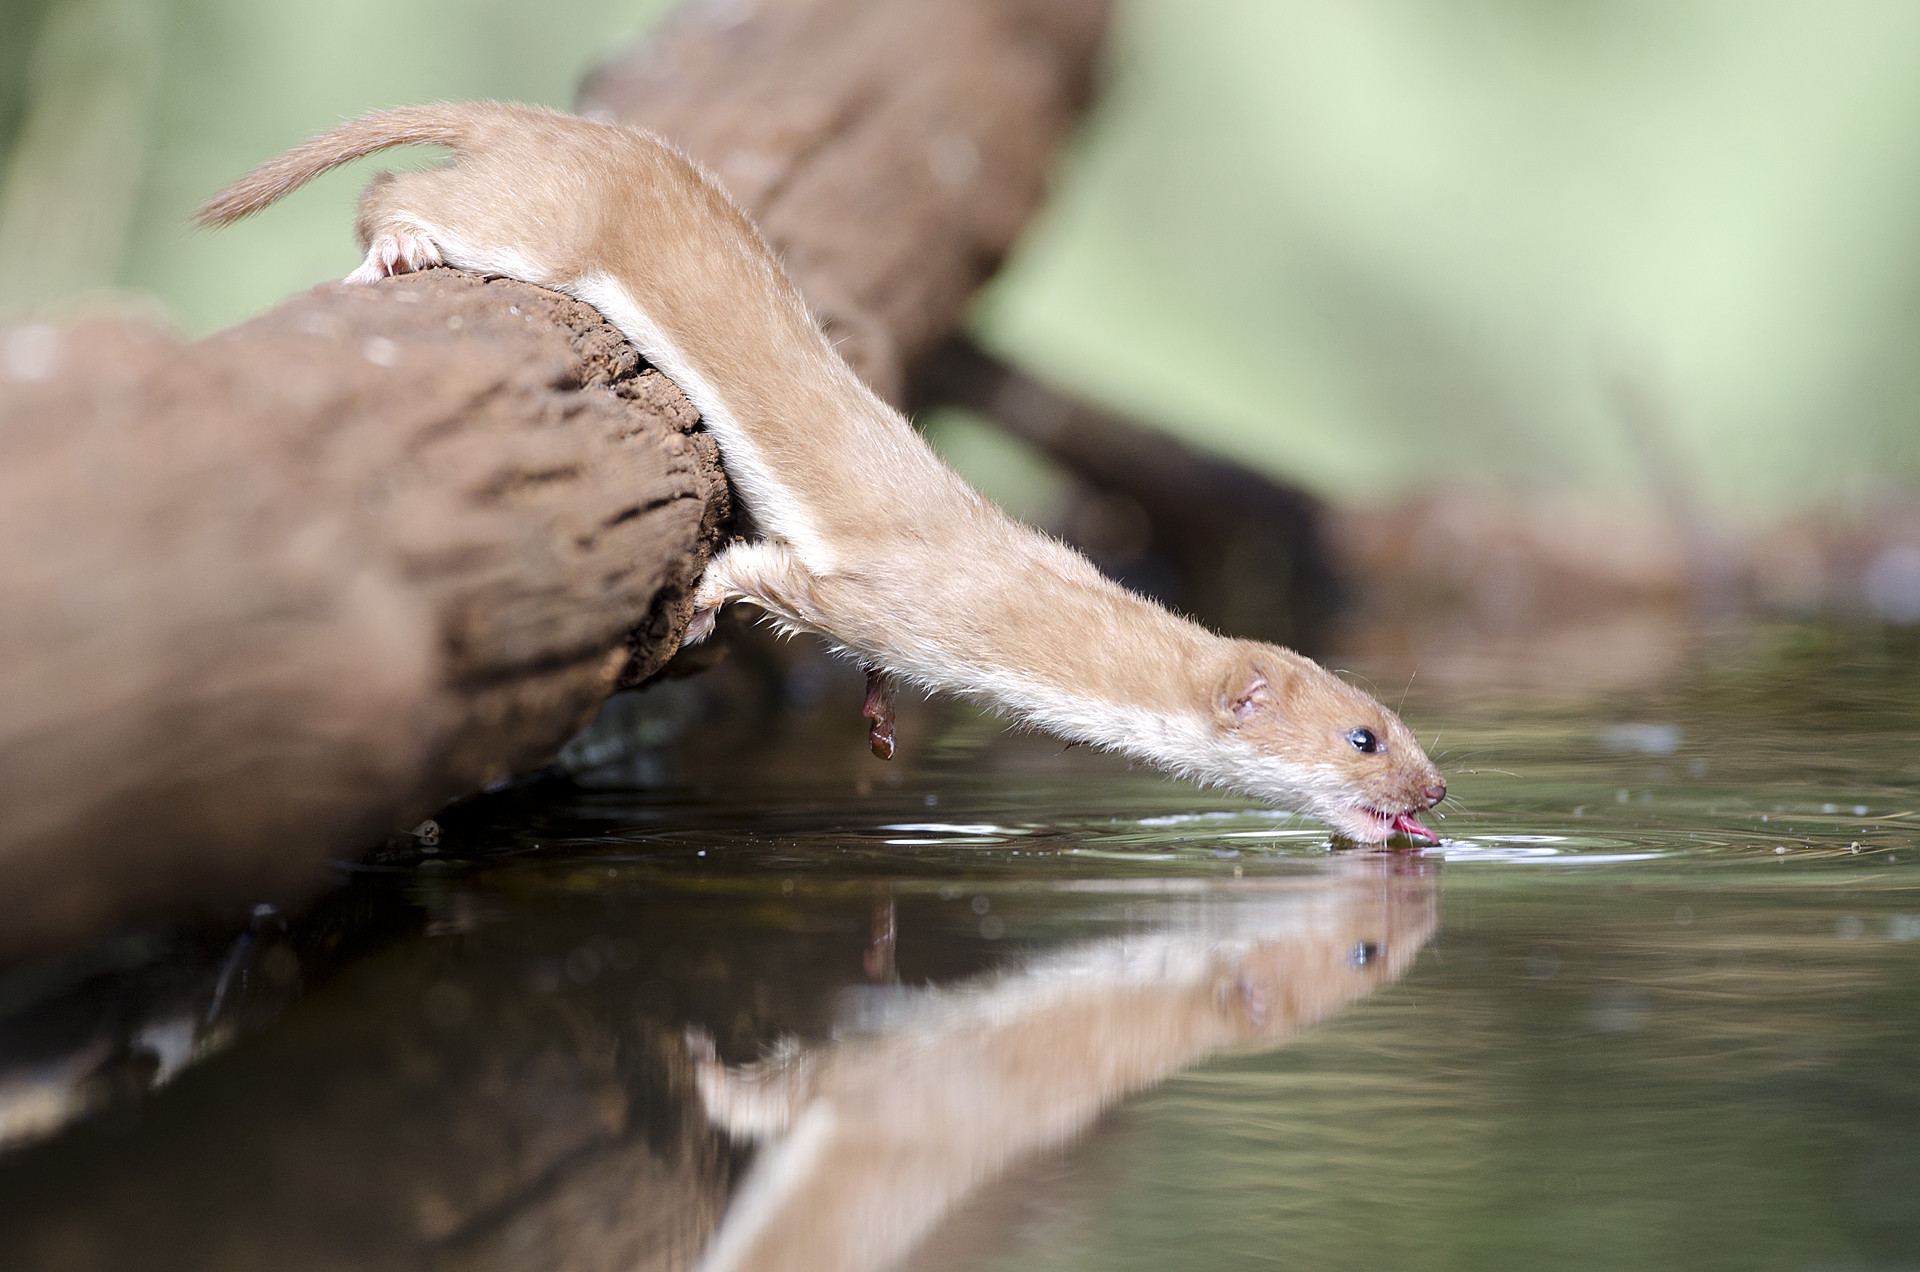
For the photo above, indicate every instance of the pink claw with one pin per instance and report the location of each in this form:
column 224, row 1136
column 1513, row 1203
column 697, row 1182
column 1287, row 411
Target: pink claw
column 398, row 252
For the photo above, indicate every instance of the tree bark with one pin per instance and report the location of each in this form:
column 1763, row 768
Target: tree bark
column 270, row 595
column 266, row 593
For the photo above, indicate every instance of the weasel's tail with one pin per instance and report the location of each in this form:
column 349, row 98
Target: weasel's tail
column 442, row 124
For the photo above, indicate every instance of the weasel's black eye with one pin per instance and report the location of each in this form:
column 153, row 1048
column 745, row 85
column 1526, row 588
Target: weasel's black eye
column 1364, row 741
column 1363, row 954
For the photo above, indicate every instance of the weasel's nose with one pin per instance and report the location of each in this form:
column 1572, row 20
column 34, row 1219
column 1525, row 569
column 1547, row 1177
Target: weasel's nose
column 1435, row 792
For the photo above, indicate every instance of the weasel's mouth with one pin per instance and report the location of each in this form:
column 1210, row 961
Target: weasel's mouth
column 1371, row 826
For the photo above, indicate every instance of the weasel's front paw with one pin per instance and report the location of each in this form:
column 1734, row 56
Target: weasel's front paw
column 700, row 626
column 396, row 252
column 708, row 597
column 768, row 574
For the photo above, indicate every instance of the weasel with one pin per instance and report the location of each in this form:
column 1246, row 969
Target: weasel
column 870, row 540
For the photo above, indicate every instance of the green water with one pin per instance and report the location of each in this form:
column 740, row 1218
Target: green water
column 1654, row 1003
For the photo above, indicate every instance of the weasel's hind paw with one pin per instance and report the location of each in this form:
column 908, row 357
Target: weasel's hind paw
column 879, row 712
column 396, row 252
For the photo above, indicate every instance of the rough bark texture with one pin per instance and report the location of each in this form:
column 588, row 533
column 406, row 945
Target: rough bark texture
column 265, row 593
column 265, row 597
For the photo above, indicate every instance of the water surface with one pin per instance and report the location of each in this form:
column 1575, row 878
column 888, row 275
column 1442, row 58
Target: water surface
column 1652, row 1003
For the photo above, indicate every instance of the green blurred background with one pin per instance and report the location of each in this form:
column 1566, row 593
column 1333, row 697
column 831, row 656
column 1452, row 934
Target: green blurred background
column 1364, row 247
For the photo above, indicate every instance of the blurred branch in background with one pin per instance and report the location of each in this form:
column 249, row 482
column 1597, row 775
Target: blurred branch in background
column 1217, row 540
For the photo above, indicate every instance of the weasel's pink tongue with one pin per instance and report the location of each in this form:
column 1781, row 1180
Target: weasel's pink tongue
column 1413, row 830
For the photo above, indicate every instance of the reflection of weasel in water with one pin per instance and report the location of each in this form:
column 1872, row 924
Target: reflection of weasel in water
column 870, row 540
column 872, row 1139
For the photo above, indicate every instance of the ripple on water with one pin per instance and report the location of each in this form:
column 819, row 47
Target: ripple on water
column 1588, row 850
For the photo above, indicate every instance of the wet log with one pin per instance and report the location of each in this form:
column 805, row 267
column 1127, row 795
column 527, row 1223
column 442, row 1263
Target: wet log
column 266, row 597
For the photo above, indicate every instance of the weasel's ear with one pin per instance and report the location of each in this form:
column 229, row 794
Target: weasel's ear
column 1258, row 683
column 1247, row 689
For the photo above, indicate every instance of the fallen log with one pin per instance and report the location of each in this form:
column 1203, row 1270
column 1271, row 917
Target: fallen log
column 268, row 593
column 268, row 596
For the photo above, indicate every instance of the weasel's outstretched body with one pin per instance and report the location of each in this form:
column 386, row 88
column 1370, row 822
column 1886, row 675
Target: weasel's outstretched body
column 871, row 541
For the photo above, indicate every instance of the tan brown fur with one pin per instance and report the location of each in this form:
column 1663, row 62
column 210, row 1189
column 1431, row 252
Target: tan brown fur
column 871, row 541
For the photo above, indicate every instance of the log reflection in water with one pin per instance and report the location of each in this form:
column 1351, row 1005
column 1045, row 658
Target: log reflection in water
column 459, row 1099
column 928, row 1093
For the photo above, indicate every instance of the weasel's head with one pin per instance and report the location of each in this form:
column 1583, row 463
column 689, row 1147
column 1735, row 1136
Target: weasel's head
column 1313, row 741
